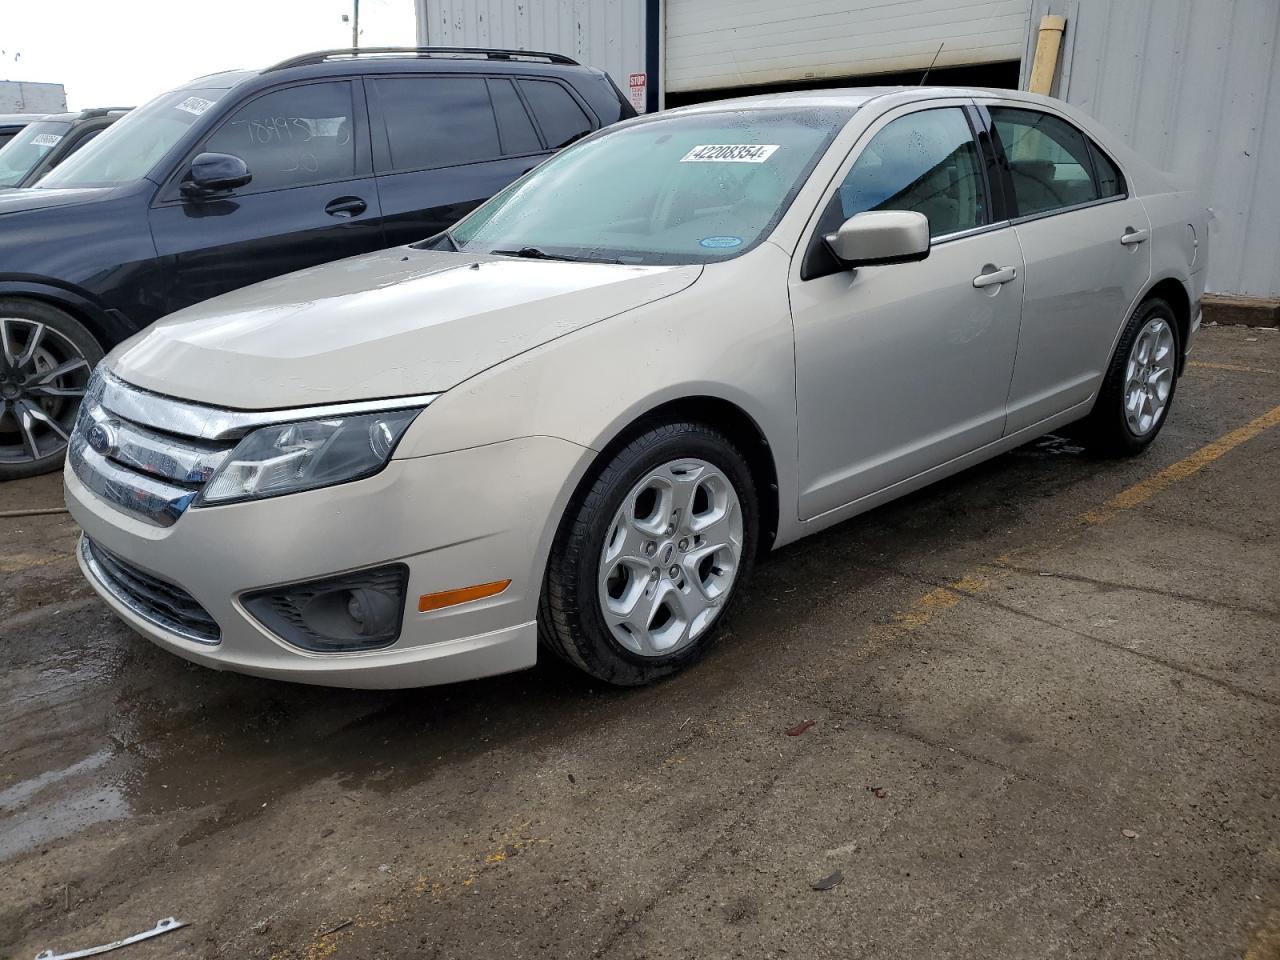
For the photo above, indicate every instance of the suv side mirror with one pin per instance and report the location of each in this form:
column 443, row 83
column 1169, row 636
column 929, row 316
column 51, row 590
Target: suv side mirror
column 881, row 236
column 213, row 173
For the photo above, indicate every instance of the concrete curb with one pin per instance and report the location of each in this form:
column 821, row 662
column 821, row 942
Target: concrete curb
column 1241, row 311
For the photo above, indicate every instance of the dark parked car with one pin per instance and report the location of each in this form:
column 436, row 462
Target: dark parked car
column 11, row 124
column 46, row 141
column 245, row 175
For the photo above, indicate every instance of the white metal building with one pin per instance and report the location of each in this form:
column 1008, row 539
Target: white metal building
column 21, row 96
column 1192, row 84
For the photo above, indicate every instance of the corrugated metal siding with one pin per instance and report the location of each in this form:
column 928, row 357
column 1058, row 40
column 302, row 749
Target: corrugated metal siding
column 1193, row 86
column 606, row 34
column 727, row 43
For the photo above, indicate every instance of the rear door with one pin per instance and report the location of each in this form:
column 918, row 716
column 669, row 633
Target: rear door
column 1085, row 242
column 443, row 144
column 312, row 198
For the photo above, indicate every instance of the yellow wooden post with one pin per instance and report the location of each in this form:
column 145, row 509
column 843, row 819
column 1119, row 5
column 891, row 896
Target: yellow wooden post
column 1046, row 61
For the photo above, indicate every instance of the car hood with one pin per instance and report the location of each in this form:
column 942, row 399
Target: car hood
column 15, row 200
column 394, row 323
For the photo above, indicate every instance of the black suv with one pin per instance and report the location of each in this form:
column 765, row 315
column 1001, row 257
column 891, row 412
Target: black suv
column 245, row 175
column 46, row 141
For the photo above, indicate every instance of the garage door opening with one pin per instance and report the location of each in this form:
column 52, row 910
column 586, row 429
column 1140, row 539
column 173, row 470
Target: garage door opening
column 1002, row 75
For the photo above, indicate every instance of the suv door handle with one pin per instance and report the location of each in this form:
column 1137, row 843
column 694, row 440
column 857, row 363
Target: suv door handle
column 991, row 274
column 345, row 207
column 1132, row 236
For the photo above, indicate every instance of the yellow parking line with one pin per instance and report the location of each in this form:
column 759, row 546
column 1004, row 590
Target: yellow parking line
column 1141, row 492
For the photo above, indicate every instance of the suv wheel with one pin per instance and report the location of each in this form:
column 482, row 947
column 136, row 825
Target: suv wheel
column 46, row 357
column 646, row 563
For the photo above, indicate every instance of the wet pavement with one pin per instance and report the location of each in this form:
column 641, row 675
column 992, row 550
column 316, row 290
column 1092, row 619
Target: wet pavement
column 1047, row 722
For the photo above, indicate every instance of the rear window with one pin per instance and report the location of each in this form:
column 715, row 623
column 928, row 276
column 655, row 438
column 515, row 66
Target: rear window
column 435, row 121
column 518, row 135
column 558, row 114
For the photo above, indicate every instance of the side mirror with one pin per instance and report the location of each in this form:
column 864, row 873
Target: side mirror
column 214, row 172
column 881, row 236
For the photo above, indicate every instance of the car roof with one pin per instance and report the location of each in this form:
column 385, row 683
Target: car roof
column 92, row 113
column 855, row 97
column 11, row 118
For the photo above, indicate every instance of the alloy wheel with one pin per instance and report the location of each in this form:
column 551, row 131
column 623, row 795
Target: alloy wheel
column 43, row 376
column 1149, row 376
column 671, row 557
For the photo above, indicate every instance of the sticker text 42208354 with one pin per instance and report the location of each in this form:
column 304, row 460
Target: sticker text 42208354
column 730, row 153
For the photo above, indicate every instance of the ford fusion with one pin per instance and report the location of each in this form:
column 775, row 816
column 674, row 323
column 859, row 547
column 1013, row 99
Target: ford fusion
column 574, row 420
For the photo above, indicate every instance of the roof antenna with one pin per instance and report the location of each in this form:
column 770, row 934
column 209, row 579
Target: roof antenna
column 931, row 63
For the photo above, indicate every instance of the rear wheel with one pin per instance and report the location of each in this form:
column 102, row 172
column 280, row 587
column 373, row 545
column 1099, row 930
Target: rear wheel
column 647, row 561
column 1138, row 388
column 46, row 357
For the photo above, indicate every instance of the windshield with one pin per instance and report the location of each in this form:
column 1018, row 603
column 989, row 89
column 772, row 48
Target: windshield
column 20, row 155
column 127, row 150
column 678, row 189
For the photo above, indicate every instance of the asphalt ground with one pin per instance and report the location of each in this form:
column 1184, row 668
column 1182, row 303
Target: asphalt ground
column 1045, row 698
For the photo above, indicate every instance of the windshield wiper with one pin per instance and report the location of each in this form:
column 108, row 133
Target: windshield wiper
column 535, row 253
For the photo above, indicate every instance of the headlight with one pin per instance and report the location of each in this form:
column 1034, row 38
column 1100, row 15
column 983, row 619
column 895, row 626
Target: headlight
column 290, row 457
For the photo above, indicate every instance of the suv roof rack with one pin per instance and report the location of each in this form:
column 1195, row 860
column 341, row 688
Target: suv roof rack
column 94, row 112
column 479, row 53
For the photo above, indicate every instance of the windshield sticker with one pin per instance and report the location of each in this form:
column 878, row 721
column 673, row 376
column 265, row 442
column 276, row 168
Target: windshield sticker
column 196, row 105
column 46, row 139
column 720, row 242
column 730, row 153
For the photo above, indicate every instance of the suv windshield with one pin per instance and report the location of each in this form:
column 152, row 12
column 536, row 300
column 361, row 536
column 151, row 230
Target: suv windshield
column 128, row 149
column 24, row 151
column 682, row 189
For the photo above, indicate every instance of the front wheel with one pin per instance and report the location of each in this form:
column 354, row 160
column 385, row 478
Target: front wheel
column 1138, row 388
column 649, row 558
column 46, row 357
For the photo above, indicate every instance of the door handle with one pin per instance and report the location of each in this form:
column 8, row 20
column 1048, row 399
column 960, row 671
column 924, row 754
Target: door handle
column 345, row 207
column 1132, row 236
column 991, row 274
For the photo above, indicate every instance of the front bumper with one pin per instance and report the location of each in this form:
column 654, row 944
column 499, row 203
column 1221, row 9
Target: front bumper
column 456, row 519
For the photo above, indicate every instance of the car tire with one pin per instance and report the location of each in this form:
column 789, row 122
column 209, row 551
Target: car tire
column 613, row 553
column 35, row 417
column 1138, row 388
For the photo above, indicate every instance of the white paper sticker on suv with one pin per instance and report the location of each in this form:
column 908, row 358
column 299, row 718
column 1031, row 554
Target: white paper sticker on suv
column 196, row 105
column 730, row 153
column 46, row 139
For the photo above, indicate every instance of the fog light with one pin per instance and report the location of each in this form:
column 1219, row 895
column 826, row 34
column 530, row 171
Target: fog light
column 355, row 611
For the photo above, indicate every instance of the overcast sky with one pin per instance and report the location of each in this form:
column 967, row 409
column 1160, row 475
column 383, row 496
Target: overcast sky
column 124, row 52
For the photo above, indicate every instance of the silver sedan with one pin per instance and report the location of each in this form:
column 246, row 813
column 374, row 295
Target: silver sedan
column 574, row 420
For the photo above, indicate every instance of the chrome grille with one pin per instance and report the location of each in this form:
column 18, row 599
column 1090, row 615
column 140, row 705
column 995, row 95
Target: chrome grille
column 150, row 474
column 157, row 601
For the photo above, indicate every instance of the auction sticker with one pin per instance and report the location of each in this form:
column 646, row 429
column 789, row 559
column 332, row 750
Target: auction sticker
column 720, row 242
column 46, row 139
column 196, row 105
column 730, row 153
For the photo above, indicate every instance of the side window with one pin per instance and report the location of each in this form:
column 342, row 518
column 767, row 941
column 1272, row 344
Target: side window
column 558, row 114
column 1110, row 182
column 291, row 137
column 1049, row 163
column 926, row 162
column 6, row 136
column 435, row 121
column 514, row 125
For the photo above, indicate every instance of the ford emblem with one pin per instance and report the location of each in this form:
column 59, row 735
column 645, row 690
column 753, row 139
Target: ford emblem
column 102, row 439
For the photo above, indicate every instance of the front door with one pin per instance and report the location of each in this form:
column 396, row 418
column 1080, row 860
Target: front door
column 312, row 198
column 903, row 367
column 1084, row 240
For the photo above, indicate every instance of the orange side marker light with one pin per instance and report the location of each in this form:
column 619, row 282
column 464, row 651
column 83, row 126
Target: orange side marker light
column 451, row 598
